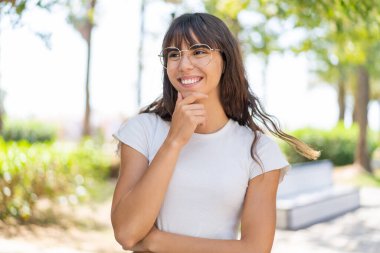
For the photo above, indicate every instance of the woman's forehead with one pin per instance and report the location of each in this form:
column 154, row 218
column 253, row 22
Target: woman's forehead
column 184, row 45
column 184, row 39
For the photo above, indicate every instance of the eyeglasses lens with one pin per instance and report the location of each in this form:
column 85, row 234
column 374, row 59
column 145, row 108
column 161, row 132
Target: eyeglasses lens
column 198, row 54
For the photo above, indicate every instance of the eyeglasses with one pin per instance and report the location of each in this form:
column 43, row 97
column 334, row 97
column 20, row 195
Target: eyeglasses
column 199, row 55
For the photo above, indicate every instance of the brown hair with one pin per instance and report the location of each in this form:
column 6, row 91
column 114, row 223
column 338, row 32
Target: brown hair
column 238, row 101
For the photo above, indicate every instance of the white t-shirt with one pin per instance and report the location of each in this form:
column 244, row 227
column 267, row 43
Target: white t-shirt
column 206, row 192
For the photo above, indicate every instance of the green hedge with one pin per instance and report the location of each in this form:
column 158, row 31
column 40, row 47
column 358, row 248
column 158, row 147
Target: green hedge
column 30, row 130
column 337, row 144
column 29, row 172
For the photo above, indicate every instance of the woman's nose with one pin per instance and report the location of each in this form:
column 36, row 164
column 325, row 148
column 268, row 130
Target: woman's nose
column 185, row 61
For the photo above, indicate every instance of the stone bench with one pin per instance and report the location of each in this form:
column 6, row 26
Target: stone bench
column 307, row 196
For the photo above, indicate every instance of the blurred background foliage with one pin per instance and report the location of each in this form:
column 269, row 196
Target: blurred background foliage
column 337, row 144
column 61, row 172
column 32, row 131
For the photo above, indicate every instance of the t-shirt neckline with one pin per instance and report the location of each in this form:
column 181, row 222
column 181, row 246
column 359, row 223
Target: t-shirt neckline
column 220, row 132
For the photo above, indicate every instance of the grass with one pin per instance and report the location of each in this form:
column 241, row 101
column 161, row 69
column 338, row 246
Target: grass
column 354, row 176
column 367, row 179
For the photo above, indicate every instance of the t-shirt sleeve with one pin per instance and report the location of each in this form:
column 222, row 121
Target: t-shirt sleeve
column 135, row 134
column 270, row 158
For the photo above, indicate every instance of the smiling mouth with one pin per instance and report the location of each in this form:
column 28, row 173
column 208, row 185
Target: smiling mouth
column 190, row 81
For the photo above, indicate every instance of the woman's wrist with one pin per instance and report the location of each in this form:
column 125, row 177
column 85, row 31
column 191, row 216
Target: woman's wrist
column 153, row 240
column 172, row 144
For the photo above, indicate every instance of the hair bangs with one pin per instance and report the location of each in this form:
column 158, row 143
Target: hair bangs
column 189, row 30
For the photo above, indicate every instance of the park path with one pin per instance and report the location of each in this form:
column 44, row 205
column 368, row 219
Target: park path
column 90, row 233
column 354, row 232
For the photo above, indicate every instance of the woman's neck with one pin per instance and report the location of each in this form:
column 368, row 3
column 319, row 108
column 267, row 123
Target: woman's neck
column 216, row 118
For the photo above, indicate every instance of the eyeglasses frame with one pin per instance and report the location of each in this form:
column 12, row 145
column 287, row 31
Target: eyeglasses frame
column 184, row 50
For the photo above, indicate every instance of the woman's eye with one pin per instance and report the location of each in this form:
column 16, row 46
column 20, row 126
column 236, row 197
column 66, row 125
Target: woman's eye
column 173, row 55
column 199, row 52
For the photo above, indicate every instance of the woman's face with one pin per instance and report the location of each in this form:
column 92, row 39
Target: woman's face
column 195, row 70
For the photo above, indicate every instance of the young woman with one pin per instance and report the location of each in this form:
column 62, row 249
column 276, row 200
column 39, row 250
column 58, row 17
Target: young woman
column 196, row 165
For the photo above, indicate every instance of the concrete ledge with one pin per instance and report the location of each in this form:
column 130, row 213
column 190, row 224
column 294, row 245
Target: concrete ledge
column 307, row 196
column 301, row 216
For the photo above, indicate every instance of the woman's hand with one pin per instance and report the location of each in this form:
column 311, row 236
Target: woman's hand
column 186, row 117
column 145, row 244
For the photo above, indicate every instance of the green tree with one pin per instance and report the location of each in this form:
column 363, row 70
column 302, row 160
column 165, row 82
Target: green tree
column 260, row 37
column 350, row 31
column 82, row 17
column 14, row 9
column 228, row 11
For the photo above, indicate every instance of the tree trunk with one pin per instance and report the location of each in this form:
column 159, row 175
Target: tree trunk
column 264, row 82
column 341, row 98
column 361, row 156
column 355, row 109
column 2, row 110
column 140, row 52
column 2, row 92
column 87, row 114
column 378, row 101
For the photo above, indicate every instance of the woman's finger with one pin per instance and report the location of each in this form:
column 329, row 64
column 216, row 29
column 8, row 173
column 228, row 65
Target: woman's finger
column 198, row 112
column 200, row 120
column 193, row 97
column 193, row 107
column 179, row 97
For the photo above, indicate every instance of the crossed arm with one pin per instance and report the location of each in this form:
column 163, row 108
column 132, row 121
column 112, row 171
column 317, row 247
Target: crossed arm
column 134, row 211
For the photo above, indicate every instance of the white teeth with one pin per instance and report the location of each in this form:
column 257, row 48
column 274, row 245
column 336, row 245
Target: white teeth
column 190, row 81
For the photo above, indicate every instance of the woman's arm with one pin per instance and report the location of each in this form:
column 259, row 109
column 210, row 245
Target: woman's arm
column 140, row 191
column 257, row 231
